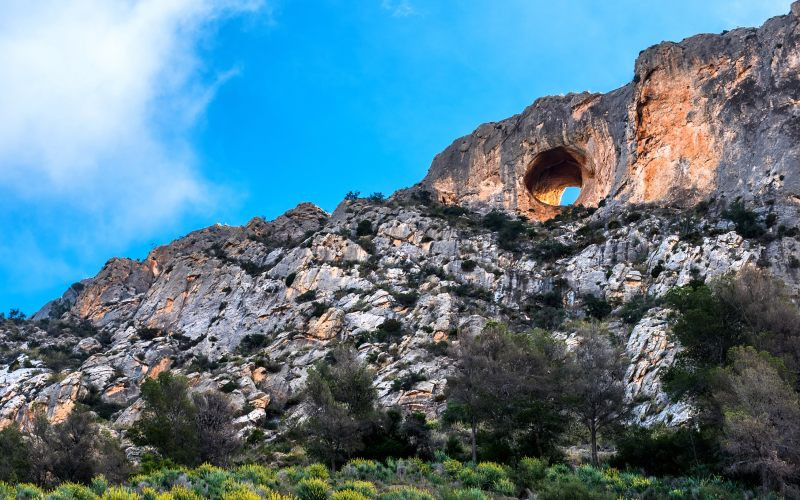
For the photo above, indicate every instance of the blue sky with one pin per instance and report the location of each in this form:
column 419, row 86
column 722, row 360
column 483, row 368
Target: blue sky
column 129, row 123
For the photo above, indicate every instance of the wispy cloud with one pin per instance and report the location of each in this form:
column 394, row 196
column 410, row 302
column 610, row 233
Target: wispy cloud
column 97, row 99
column 399, row 8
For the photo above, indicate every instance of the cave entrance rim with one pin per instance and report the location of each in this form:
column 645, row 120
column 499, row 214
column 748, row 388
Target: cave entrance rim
column 554, row 170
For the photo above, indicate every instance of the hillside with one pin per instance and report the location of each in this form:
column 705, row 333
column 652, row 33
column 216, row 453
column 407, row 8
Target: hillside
column 706, row 123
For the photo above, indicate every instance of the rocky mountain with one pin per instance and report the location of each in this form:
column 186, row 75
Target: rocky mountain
column 690, row 171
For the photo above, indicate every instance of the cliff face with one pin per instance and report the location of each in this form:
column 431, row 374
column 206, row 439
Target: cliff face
column 251, row 308
column 713, row 115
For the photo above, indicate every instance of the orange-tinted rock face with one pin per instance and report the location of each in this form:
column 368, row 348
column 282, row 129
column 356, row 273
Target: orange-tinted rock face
column 713, row 115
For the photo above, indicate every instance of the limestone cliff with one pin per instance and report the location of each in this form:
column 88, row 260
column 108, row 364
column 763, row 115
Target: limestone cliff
column 713, row 115
column 250, row 309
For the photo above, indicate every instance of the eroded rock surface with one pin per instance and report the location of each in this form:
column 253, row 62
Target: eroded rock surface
column 249, row 309
column 713, row 115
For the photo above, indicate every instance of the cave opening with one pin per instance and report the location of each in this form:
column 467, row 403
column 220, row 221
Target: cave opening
column 555, row 176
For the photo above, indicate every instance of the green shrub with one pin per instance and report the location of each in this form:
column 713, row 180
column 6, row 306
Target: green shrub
column 468, row 265
column 348, row 495
column 364, row 228
column 596, row 307
column 99, row 485
column 634, row 310
column 312, row 489
column 71, row 491
column 364, row 488
column 252, row 342
column 256, row 474
column 530, row 472
column 290, row 279
column 407, row 299
column 504, row 487
column 317, row 471
column 469, row 478
column 26, row 490
column 465, row 494
column 7, row 491
column 452, row 467
column 123, row 493
column 571, row 488
column 746, row 221
column 406, row 493
column 406, row 381
column 550, row 250
column 306, row 296
column 359, row 468
column 239, row 491
column 490, row 473
column 508, row 230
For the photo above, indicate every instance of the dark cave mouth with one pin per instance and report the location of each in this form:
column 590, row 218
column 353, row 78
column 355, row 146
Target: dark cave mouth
column 552, row 172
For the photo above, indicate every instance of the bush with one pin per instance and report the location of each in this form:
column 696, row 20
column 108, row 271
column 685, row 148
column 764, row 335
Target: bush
column 504, row 487
column 468, row 265
column 509, row 230
column 312, row 489
column 318, row 309
column 746, row 221
column 364, row 488
column 530, row 472
column 407, row 381
column 406, row 299
column 596, row 307
column 306, row 296
column 406, row 493
column 452, row 467
column 253, row 342
column 146, row 333
column 122, row 493
column 71, row 491
column 364, row 228
column 550, row 250
column 663, row 451
column 635, row 309
column 359, row 468
column 290, row 279
column 14, row 456
column 348, row 495
column 489, row 473
column 256, row 474
column 465, row 494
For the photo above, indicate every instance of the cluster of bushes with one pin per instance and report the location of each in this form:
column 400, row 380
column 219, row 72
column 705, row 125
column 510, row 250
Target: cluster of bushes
column 391, row 330
column 401, row 479
column 739, row 365
column 509, row 230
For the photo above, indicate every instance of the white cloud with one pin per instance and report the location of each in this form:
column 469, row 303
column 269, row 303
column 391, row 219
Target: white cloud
column 96, row 100
column 399, row 8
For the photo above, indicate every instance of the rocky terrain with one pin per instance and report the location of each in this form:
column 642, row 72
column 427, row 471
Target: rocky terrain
column 249, row 309
column 713, row 115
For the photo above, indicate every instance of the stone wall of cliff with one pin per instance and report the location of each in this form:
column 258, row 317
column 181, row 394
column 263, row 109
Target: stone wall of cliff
column 711, row 116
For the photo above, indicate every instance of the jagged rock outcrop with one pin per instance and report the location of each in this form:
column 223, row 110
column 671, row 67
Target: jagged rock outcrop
column 713, row 115
column 249, row 309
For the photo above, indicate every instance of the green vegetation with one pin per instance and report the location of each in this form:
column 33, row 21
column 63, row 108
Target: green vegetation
column 515, row 404
column 509, row 231
column 393, row 479
column 740, row 367
column 745, row 220
column 187, row 429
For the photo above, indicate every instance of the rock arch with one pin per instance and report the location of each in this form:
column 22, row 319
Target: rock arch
column 553, row 171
